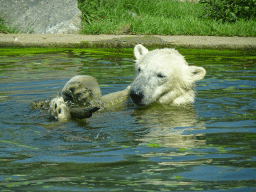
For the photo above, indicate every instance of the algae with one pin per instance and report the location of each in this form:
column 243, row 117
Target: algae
column 113, row 52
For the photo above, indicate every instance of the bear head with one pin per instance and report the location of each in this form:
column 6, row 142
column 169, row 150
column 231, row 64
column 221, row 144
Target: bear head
column 163, row 76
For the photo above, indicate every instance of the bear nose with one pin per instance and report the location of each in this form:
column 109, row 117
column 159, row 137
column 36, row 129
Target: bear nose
column 72, row 89
column 136, row 97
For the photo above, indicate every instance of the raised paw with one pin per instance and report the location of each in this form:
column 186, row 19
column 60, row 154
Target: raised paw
column 82, row 90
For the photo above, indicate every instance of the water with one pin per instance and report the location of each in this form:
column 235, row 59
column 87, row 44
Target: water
column 209, row 146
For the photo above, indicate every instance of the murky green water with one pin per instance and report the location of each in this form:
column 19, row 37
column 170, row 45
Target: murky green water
column 210, row 146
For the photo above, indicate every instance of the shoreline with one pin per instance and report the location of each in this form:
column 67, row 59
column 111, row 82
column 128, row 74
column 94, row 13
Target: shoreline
column 125, row 41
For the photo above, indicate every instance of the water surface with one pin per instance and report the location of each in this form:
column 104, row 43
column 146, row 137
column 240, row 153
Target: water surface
column 209, row 146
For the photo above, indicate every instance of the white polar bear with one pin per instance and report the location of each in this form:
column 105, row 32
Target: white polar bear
column 163, row 76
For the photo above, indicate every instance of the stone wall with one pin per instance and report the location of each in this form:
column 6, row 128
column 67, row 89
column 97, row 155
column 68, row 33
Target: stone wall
column 42, row 16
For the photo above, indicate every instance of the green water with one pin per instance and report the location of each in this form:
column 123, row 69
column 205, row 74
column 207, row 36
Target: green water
column 210, row 146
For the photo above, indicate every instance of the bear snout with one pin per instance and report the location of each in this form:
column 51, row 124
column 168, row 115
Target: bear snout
column 136, row 97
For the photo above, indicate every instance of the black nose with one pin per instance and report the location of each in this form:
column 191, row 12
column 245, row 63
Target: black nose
column 136, row 97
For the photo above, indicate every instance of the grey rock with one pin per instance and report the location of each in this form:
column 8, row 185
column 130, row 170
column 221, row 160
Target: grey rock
column 42, row 16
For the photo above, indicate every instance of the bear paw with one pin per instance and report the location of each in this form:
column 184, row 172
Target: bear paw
column 59, row 110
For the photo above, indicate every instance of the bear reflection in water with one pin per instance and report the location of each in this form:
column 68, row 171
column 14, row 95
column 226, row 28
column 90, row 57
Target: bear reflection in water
column 168, row 125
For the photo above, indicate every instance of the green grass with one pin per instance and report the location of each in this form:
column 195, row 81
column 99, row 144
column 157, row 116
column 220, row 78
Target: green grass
column 163, row 17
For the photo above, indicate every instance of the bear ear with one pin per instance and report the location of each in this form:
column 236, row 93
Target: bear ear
column 139, row 51
column 197, row 73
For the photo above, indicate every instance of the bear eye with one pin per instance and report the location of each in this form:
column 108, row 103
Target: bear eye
column 139, row 70
column 59, row 110
column 160, row 75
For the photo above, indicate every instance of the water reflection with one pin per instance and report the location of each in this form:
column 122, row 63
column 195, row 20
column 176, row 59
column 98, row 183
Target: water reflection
column 169, row 126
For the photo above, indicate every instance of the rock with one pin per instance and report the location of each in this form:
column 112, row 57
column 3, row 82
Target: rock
column 42, row 16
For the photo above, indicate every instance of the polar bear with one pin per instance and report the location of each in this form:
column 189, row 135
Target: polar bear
column 163, row 76
column 81, row 96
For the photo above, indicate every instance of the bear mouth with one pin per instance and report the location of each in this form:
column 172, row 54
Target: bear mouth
column 137, row 98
